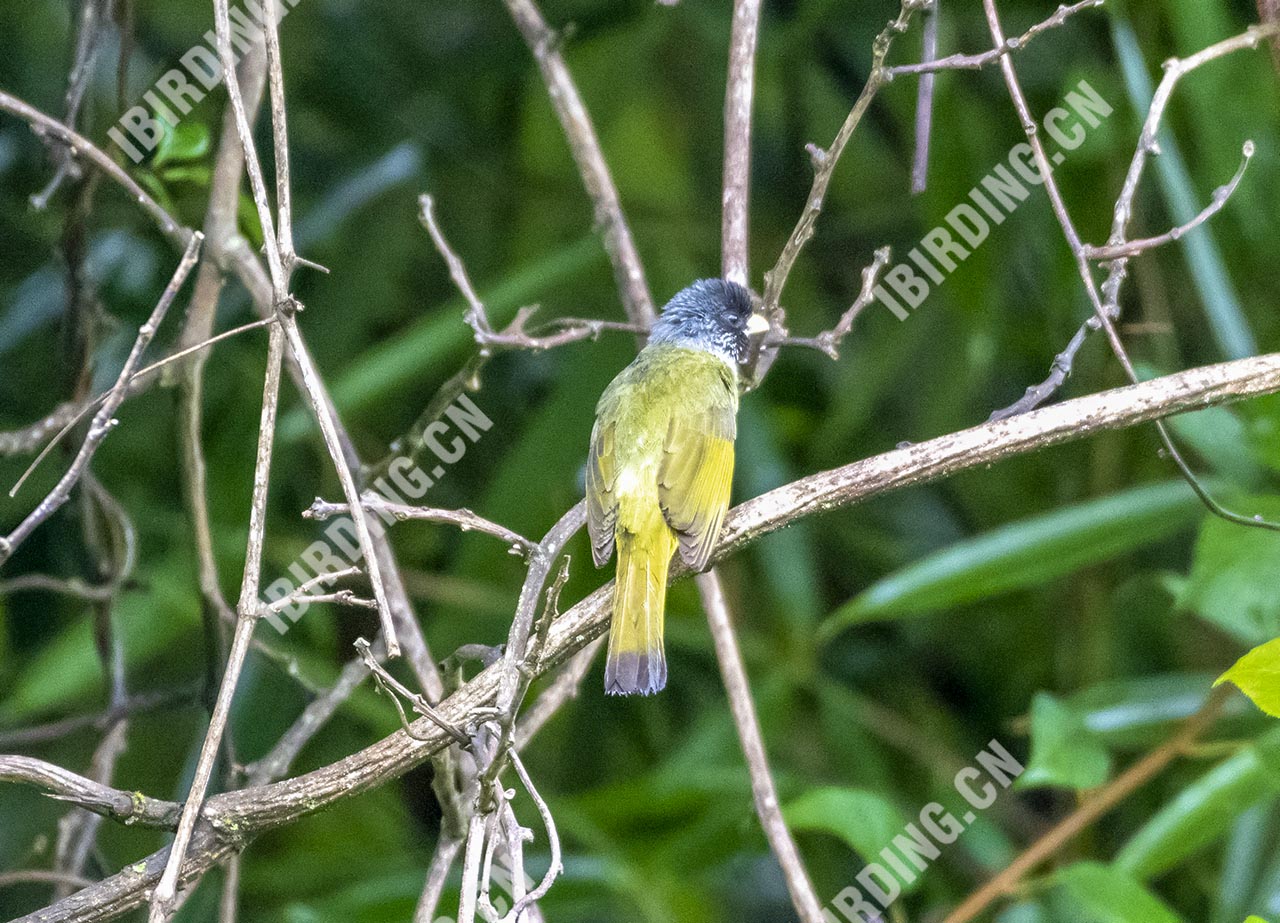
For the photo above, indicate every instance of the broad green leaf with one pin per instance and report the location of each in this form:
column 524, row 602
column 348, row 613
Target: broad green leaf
column 866, row 821
column 1204, row 810
column 1233, row 574
column 1257, row 674
column 197, row 174
column 1108, row 895
column 185, row 141
column 1221, row 438
column 1262, row 429
column 1140, row 711
column 1025, row 554
column 1063, row 753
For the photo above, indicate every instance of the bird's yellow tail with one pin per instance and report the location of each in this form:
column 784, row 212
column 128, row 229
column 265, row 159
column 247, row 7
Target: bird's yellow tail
column 637, row 663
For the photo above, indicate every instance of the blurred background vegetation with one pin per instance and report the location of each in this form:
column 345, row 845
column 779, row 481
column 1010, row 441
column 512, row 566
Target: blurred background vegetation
column 1073, row 604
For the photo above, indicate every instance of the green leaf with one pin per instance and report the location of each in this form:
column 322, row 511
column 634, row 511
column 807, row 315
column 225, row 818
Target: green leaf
column 1257, row 674
column 1204, row 810
column 1140, row 711
column 183, row 142
column 866, row 821
column 1025, row 554
column 197, row 174
column 1108, row 895
column 1262, row 429
column 1063, row 752
column 1233, row 572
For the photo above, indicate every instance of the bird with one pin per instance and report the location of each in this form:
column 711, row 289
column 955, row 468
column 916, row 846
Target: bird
column 660, row 466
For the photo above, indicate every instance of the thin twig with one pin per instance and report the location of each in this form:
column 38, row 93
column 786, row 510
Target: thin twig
column 515, row 335
column 564, row 688
column 924, row 99
column 446, row 853
column 1131, row 248
column 285, row 306
column 982, row 59
column 1083, row 266
column 1098, row 803
column 765, row 794
column 248, row 612
column 43, row 876
column 103, row 420
column 553, row 838
column 1147, row 144
column 824, row 164
column 395, row 687
column 220, row 227
column 93, row 24
column 585, row 147
column 102, row 720
column 464, row 519
column 250, row 811
column 829, row 341
column 64, row 785
column 138, row 382
column 735, row 261
column 79, row 146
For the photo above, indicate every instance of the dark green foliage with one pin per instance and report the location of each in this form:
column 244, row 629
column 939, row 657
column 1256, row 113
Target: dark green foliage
column 1073, row 605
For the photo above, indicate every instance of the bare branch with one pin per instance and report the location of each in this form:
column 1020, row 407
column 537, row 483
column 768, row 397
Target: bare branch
column 43, row 876
column 563, row 688
column 1174, row 71
column 553, row 838
column 515, row 335
column 248, row 611
column 829, row 340
column 585, row 146
column 824, row 165
column 64, row 785
column 1126, row 249
column 79, row 146
column 738, row 95
column 981, row 60
column 256, row 809
column 765, row 794
column 442, row 860
column 464, row 519
column 31, row 437
column 102, row 721
column 394, row 687
column 1102, row 313
column 103, row 420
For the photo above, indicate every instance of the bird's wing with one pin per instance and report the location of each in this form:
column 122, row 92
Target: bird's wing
column 696, row 473
column 602, row 500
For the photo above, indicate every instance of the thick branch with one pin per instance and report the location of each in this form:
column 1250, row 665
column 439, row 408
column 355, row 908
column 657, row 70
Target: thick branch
column 255, row 810
column 79, row 146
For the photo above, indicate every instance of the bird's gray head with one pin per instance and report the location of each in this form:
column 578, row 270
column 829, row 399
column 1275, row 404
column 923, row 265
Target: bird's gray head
column 712, row 315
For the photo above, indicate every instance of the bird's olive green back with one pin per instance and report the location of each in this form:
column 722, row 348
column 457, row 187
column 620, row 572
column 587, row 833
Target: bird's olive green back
column 658, row 477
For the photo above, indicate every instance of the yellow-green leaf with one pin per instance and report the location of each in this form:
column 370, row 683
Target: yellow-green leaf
column 1257, row 674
